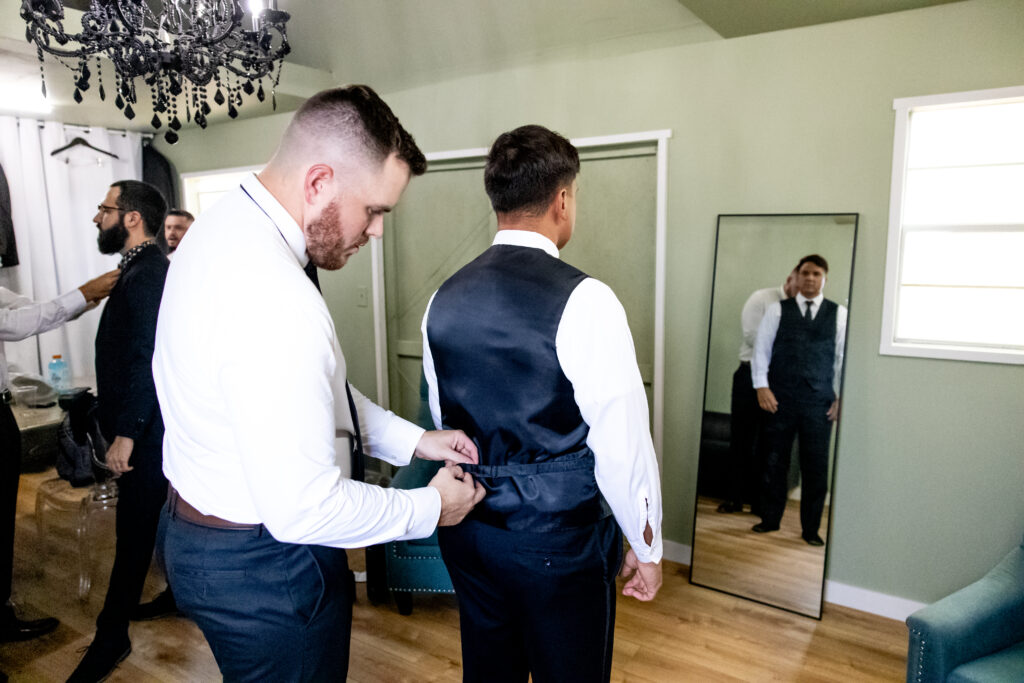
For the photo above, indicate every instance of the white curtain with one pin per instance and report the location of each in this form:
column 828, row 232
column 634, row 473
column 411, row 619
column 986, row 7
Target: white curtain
column 53, row 201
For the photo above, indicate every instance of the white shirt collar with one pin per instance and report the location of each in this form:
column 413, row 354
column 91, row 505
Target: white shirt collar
column 801, row 299
column 526, row 238
column 289, row 229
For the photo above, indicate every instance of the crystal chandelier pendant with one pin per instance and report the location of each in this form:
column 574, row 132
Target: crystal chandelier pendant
column 178, row 48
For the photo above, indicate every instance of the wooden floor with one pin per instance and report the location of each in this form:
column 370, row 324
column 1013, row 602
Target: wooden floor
column 687, row 634
column 778, row 567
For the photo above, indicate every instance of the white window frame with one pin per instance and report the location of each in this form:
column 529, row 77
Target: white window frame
column 889, row 347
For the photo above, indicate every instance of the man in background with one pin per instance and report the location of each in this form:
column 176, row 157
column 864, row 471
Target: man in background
column 746, row 447
column 264, row 500
column 797, row 359
column 176, row 225
column 20, row 318
column 129, row 417
column 535, row 361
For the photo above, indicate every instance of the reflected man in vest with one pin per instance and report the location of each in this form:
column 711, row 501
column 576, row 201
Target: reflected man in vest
column 535, row 361
column 796, row 365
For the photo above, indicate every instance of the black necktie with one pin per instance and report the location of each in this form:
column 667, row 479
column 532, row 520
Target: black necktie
column 356, row 442
column 807, row 313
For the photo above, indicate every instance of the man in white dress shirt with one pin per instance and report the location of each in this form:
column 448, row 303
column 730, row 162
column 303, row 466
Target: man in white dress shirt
column 796, row 367
column 535, row 361
column 252, row 384
column 745, row 421
column 20, row 318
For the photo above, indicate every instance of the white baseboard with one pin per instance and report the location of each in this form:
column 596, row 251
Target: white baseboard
column 883, row 605
column 676, row 552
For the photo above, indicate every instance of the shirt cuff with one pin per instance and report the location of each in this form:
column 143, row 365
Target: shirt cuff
column 400, row 445
column 648, row 554
column 426, row 503
column 73, row 303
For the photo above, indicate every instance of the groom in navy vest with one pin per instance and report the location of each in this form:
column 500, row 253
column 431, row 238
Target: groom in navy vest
column 797, row 358
column 534, row 361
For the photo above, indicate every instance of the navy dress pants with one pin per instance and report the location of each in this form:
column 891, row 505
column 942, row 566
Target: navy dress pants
column 745, row 440
column 141, row 493
column 270, row 611
column 809, row 420
column 534, row 603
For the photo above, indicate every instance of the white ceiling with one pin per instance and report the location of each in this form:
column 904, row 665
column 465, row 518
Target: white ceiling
column 396, row 44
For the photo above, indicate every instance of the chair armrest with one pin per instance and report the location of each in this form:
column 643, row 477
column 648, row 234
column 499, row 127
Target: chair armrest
column 982, row 618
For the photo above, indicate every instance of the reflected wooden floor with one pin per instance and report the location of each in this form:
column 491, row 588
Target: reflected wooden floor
column 687, row 634
column 778, row 567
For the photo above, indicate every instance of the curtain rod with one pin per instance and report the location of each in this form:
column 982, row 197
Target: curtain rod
column 122, row 131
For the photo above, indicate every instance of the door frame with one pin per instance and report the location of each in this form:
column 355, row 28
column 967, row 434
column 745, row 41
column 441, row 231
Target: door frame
column 660, row 138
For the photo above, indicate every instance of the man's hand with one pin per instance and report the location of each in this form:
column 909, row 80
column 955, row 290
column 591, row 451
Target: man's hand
column 98, row 288
column 447, row 444
column 459, row 493
column 119, row 453
column 833, row 411
column 766, row 399
column 643, row 578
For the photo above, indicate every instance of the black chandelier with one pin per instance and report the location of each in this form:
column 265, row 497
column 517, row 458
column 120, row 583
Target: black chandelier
column 177, row 48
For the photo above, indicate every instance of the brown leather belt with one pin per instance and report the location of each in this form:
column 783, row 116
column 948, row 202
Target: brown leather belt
column 179, row 507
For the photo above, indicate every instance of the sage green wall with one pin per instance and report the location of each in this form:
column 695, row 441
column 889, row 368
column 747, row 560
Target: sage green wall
column 930, row 468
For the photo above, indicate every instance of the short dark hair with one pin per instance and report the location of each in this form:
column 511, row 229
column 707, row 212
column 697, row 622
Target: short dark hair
column 180, row 212
column 369, row 118
column 526, row 167
column 142, row 197
column 816, row 260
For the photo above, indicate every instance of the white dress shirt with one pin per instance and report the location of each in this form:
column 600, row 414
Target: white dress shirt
column 20, row 318
column 770, row 327
column 753, row 312
column 595, row 350
column 251, row 382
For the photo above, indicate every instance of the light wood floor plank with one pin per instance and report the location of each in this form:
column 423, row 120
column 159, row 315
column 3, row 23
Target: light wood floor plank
column 688, row 633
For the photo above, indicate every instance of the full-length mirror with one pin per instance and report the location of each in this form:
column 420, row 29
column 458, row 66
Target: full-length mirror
column 772, row 397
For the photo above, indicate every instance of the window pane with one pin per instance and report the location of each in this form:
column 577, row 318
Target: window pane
column 967, row 136
column 965, row 257
column 961, row 316
column 983, row 195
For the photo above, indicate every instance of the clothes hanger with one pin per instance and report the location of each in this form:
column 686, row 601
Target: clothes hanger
column 75, row 142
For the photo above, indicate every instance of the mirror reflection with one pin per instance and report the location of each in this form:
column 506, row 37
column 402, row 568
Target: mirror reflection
column 771, row 406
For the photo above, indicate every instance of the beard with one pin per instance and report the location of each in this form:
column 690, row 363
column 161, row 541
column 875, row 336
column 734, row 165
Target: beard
column 325, row 240
column 112, row 240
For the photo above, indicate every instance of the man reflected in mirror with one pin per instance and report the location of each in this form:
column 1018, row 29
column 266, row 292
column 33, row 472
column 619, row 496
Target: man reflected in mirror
column 797, row 357
column 746, row 418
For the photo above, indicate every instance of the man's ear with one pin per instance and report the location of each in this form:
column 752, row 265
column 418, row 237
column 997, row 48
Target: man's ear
column 315, row 183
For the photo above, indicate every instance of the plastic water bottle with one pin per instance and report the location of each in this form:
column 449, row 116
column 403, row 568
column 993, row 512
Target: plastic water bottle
column 60, row 374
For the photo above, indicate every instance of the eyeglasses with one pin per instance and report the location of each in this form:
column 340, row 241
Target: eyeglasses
column 103, row 208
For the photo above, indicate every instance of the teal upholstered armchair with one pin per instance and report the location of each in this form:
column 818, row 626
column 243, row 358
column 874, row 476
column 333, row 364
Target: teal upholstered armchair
column 403, row 568
column 975, row 634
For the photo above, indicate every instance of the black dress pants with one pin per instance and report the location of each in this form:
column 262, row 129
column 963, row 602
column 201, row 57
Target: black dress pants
column 810, row 420
column 10, row 472
column 534, row 603
column 745, row 440
column 141, row 495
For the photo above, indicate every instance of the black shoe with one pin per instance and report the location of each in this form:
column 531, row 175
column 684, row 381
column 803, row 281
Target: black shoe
column 162, row 605
column 730, row 507
column 12, row 628
column 101, row 659
column 813, row 539
column 763, row 528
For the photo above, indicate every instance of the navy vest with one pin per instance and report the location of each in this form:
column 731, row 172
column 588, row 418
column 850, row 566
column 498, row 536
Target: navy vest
column 492, row 330
column 804, row 352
